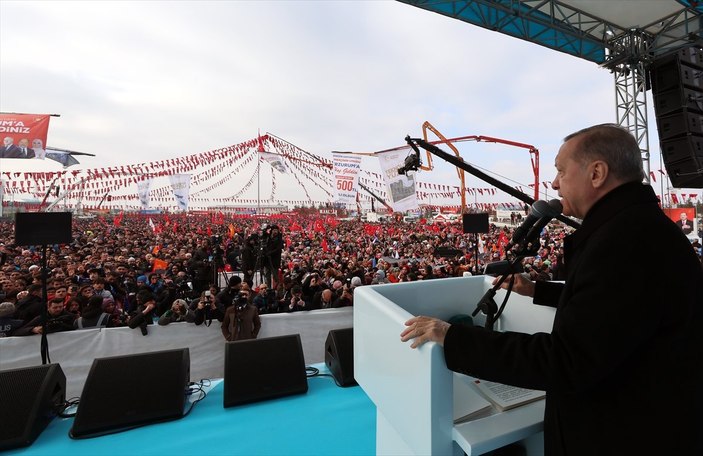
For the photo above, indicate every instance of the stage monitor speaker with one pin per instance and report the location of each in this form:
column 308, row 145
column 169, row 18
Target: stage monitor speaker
column 339, row 355
column 43, row 228
column 475, row 223
column 124, row 392
column 260, row 369
column 29, row 399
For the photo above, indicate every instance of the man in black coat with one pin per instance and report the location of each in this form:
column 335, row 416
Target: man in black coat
column 623, row 364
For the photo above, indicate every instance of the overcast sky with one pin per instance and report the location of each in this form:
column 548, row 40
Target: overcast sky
column 143, row 81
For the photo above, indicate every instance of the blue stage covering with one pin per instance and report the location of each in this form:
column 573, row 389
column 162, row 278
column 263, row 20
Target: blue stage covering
column 328, row 420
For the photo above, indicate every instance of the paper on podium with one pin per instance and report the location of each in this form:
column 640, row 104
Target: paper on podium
column 468, row 403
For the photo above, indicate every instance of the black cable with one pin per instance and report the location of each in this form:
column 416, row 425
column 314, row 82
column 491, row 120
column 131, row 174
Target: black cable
column 61, row 409
column 197, row 387
column 315, row 372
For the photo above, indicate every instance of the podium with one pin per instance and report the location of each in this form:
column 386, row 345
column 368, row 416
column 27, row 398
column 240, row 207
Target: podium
column 413, row 389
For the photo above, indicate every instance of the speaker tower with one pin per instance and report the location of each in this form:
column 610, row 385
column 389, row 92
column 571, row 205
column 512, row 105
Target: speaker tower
column 677, row 86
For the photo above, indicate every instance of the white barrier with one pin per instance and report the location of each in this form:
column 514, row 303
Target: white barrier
column 75, row 350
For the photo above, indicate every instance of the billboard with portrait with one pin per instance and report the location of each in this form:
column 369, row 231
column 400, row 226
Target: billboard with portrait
column 23, row 135
column 685, row 218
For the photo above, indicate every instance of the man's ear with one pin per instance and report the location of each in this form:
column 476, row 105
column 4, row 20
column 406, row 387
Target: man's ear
column 599, row 173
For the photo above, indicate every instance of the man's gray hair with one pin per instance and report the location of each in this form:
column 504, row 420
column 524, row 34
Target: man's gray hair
column 614, row 145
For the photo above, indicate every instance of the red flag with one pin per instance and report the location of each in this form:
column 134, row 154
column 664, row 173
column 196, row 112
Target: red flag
column 331, row 221
column 209, row 231
column 319, row 226
column 118, row 220
column 324, row 245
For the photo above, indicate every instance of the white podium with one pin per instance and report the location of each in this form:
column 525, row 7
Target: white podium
column 413, row 389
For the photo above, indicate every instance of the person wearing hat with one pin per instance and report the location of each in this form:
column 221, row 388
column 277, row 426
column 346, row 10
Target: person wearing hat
column 225, row 298
column 8, row 322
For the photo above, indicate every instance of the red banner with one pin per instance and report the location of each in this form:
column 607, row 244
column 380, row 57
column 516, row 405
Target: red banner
column 23, row 135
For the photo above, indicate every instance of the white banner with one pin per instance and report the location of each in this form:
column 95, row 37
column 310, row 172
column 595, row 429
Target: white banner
column 275, row 160
column 180, row 183
column 143, row 187
column 346, row 177
column 401, row 188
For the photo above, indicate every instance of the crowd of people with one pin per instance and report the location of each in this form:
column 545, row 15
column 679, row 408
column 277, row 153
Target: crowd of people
column 136, row 270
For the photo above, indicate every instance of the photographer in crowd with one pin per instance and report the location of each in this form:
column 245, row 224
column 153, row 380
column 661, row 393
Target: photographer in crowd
column 206, row 309
column 241, row 319
column 179, row 311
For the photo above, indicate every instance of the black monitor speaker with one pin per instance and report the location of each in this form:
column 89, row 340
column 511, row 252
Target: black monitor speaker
column 29, row 399
column 677, row 88
column 260, row 369
column 43, row 228
column 339, row 355
column 124, row 392
column 475, row 223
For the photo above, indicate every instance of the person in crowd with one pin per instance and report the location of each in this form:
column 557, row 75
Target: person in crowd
column 623, row 352
column 93, row 315
column 30, row 305
column 296, row 302
column 322, row 300
column 8, row 323
column 179, row 311
column 264, row 302
column 117, row 316
column 58, row 319
column 206, row 309
column 226, row 297
column 144, row 314
column 241, row 320
column 166, row 296
column 99, row 288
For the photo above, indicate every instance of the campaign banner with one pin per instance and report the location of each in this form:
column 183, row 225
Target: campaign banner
column 275, row 160
column 143, row 187
column 401, row 187
column 180, row 184
column 346, row 176
column 23, row 135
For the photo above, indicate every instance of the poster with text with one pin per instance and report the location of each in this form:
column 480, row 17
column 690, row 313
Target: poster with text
column 401, row 187
column 180, row 184
column 143, row 187
column 346, row 169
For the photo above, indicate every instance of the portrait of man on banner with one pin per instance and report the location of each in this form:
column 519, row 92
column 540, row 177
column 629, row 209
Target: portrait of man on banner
column 685, row 218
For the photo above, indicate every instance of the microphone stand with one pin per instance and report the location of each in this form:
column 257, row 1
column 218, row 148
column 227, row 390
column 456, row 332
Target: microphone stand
column 459, row 163
column 487, row 304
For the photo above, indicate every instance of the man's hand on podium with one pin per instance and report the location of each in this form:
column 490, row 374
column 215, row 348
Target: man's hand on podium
column 522, row 286
column 424, row 329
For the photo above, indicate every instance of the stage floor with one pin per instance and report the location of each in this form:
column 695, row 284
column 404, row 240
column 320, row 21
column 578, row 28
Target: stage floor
column 327, row 420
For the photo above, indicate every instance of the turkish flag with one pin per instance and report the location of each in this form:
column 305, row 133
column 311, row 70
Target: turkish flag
column 319, row 226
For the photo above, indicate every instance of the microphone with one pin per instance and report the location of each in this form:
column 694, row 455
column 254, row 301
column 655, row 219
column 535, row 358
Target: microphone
column 540, row 214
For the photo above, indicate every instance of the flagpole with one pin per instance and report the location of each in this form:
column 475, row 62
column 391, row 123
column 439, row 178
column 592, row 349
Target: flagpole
column 258, row 185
